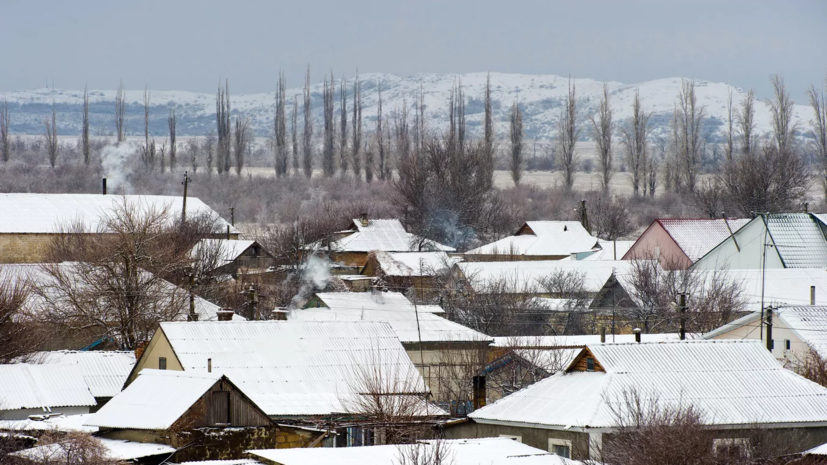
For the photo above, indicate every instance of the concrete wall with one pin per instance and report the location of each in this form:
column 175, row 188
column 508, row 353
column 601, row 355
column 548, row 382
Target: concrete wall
column 533, row 437
column 438, row 362
column 756, row 331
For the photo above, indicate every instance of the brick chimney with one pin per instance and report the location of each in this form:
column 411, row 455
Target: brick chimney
column 363, row 218
column 225, row 314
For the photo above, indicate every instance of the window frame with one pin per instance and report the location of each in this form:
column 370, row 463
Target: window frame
column 162, row 363
column 556, row 442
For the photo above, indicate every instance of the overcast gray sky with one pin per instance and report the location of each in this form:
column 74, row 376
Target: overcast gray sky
column 189, row 44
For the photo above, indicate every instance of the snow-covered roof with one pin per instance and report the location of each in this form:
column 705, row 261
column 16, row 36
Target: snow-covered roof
column 550, row 238
column 697, row 236
column 206, row 310
column 104, row 372
column 116, row 449
column 387, row 235
column 155, row 400
column 524, row 277
column 45, row 213
column 29, row 386
column 577, row 340
column 809, row 324
column 227, row 250
column 414, row 264
column 223, row 462
column 798, row 238
column 733, row 382
column 393, row 308
column 609, row 250
column 818, row 450
column 294, row 368
column 63, row 423
column 488, row 451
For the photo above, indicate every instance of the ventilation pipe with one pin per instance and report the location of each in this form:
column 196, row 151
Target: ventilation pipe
column 209, row 365
column 637, row 334
column 104, row 186
column 812, row 295
column 603, row 334
column 363, row 218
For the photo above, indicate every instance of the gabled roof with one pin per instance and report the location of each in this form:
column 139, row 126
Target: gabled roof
column 386, row 235
column 414, row 264
column 104, row 372
column 550, row 238
column 393, row 308
column 226, row 249
column 206, row 310
column 44, row 213
column 294, row 368
column 733, row 382
column 809, row 324
column 155, row 400
column 488, row 451
column 697, row 236
column 28, row 386
column 609, row 250
column 798, row 238
column 525, row 276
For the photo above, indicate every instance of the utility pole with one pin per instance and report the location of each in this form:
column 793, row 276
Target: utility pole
column 253, row 296
column 186, row 182
column 192, row 316
column 769, row 329
column 682, row 308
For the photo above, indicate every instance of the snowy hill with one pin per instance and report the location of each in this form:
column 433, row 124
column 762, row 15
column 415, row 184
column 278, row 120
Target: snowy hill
column 540, row 97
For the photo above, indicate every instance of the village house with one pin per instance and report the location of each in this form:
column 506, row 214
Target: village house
column 777, row 240
column 349, row 249
column 31, row 390
column 488, row 451
column 539, row 240
column 790, row 332
column 301, row 373
column 432, row 342
column 203, row 415
column 103, row 371
column 229, row 256
column 401, row 271
column 677, row 243
column 29, row 222
column 738, row 384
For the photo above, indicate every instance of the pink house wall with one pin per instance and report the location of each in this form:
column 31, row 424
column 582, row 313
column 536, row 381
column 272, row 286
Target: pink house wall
column 655, row 241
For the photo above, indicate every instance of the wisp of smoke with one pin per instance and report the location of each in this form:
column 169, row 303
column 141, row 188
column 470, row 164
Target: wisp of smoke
column 315, row 274
column 115, row 161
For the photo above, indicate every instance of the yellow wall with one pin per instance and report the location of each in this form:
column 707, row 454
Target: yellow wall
column 24, row 248
column 158, row 347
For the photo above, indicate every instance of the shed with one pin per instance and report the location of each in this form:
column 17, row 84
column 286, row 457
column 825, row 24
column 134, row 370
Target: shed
column 538, row 240
column 228, row 256
column 28, row 389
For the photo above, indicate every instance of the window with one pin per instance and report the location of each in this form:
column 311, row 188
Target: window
column 787, row 344
column 772, row 344
column 734, row 448
column 162, row 363
column 589, row 364
column 561, row 447
column 516, row 438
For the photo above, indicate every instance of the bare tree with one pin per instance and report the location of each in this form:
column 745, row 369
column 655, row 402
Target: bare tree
column 602, row 127
column 516, row 144
column 567, row 135
column 781, row 110
column 809, row 364
column 163, row 153
column 401, row 132
column 73, row 448
column 18, row 336
column 489, row 122
column 357, row 127
column 379, row 136
column 609, row 217
column 149, row 146
column 280, row 128
column 5, row 142
column 294, row 120
column 52, row 144
column 209, row 150
column 745, row 120
column 328, row 149
column 634, row 134
column 84, row 134
column 120, row 112
column 691, row 117
column 173, row 148
column 224, row 127
column 343, row 151
column 307, row 135
column 818, row 125
column 370, row 146
column 241, row 136
column 729, row 144
column 193, row 146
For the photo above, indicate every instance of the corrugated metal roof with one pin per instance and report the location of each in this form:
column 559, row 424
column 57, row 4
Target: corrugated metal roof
column 292, row 368
column 155, row 400
column 577, row 340
column 407, row 264
column 696, row 237
column 115, row 449
column 610, row 250
column 383, row 235
column 44, row 213
column 104, row 372
column 26, row 386
column 732, row 382
column 550, row 238
column 225, row 250
column 525, row 276
column 488, row 451
column 799, row 240
column 63, row 423
column 393, row 308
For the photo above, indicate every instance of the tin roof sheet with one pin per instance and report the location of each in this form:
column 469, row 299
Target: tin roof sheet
column 550, row 238
column 697, row 236
column 104, row 371
column 29, row 386
column 799, row 240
